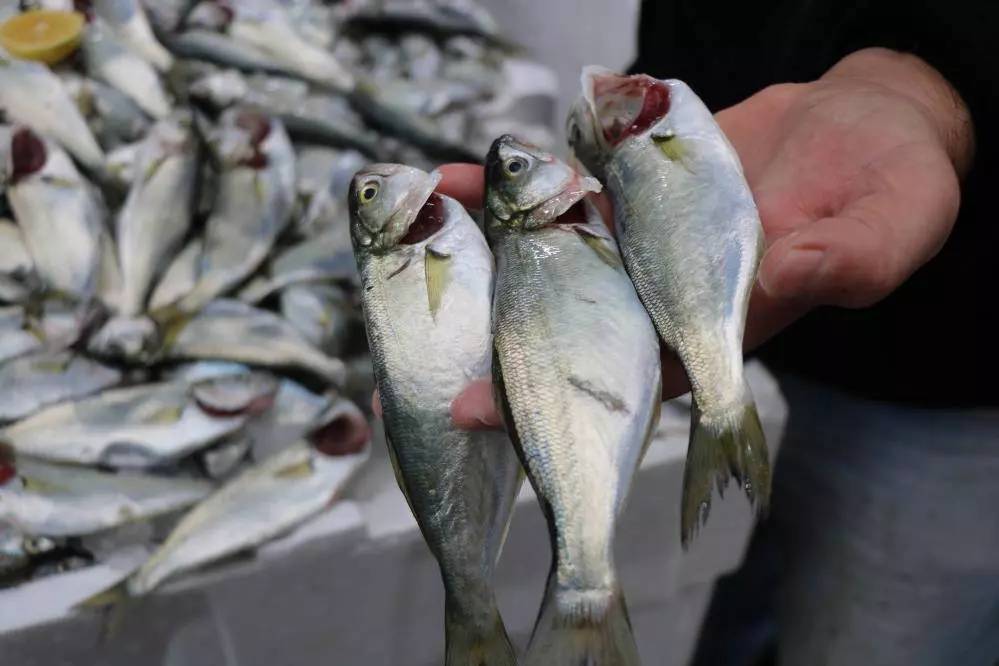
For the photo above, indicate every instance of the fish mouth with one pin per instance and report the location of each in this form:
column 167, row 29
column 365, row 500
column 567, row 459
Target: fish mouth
column 575, row 189
column 624, row 105
column 419, row 216
column 347, row 433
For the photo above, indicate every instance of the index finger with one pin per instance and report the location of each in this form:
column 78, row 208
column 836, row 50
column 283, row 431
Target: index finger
column 464, row 182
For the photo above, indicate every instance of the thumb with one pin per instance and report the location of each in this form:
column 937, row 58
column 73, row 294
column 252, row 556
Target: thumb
column 475, row 407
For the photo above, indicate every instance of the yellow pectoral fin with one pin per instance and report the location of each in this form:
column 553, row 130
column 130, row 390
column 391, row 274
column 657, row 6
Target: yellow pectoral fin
column 42, row 487
column 602, row 246
column 165, row 415
column 438, row 272
column 153, row 168
column 673, row 147
column 296, row 471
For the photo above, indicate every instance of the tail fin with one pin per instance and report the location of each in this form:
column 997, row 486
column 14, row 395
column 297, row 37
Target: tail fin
column 729, row 443
column 468, row 645
column 588, row 628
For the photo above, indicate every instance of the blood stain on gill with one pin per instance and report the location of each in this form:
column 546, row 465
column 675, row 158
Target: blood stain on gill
column 428, row 221
column 27, row 154
column 344, row 435
column 7, row 472
column 258, row 127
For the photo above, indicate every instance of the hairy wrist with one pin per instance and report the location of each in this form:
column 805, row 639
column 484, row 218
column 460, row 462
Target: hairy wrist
column 913, row 78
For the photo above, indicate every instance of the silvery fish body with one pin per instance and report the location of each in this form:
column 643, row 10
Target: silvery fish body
column 31, row 382
column 426, row 303
column 577, row 364
column 234, row 331
column 61, row 501
column 255, row 194
column 128, row 19
column 138, row 426
column 158, row 210
column 61, row 215
column 322, row 258
column 110, row 60
column 17, row 271
column 30, row 94
column 322, row 313
column 692, row 241
column 57, row 327
column 180, row 276
column 260, row 504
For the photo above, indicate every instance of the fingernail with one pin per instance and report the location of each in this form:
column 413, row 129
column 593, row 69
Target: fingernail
column 788, row 274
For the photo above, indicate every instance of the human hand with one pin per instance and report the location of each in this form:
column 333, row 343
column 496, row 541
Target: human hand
column 856, row 177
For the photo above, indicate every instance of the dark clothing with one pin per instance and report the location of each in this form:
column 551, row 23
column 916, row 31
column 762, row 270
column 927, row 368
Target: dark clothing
column 933, row 341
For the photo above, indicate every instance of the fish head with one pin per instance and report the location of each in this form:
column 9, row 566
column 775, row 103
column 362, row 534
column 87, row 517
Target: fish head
column 343, row 431
column 242, row 138
column 211, row 15
column 8, row 470
column 617, row 107
column 173, row 135
column 582, row 134
column 527, row 188
column 393, row 206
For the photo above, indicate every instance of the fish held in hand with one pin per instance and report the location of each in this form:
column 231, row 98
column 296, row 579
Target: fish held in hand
column 427, row 276
column 578, row 376
column 692, row 240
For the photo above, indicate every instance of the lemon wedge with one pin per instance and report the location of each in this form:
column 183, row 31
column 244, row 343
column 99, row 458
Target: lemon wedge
column 44, row 35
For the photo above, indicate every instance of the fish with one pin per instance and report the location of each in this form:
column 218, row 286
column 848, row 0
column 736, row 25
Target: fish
column 166, row 16
column 266, row 26
column 51, row 325
column 157, row 213
column 139, row 426
column 693, row 259
column 126, row 338
column 421, row 55
column 253, row 204
column 55, row 501
column 231, row 330
column 17, row 551
column 220, row 49
column 427, row 276
column 307, row 115
column 322, row 313
column 323, row 258
column 60, row 214
column 18, row 280
column 128, row 20
column 31, row 95
column 122, row 163
column 440, row 19
column 223, row 459
column 578, row 376
column 110, row 60
column 111, row 115
column 323, row 182
column 180, row 276
column 32, row 382
column 261, row 503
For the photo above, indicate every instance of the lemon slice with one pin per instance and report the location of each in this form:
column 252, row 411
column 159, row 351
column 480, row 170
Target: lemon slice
column 44, row 35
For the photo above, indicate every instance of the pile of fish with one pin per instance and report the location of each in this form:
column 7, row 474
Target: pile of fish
column 567, row 320
column 181, row 346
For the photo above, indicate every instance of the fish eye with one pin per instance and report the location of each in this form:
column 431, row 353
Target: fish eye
column 514, row 166
column 368, row 192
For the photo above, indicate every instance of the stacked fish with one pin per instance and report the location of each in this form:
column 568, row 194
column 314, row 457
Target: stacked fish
column 567, row 320
column 179, row 325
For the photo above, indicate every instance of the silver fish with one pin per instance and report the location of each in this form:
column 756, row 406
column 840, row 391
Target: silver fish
column 260, row 504
column 122, row 163
column 422, row 56
column 31, row 382
column 267, row 27
column 307, row 115
column 110, row 60
column 166, row 15
column 692, row 256
column 180, row 276
column 442, row 19
column 223, row 459
column 577, row 368
column 323, row 258
column 255, row 194
column 61, row 216
column 60, row 500
column 18, row 550
column 427, row 278
column 157, row 213
column 324, row 179
column 322, row 313
column 111, row 115
column 125, row 338
column 30, row 94
column 200, row 44
column 128, row 19
column 139, row 426
column 234, row 331
column 56, row 327
column 17, row 271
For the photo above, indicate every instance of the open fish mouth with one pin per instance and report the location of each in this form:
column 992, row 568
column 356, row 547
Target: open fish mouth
column 574, row 191
column 624, row 106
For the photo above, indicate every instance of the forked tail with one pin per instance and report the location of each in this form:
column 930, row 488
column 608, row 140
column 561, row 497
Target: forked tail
column 582, row 628
column 722, row 445
column 471, row 643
